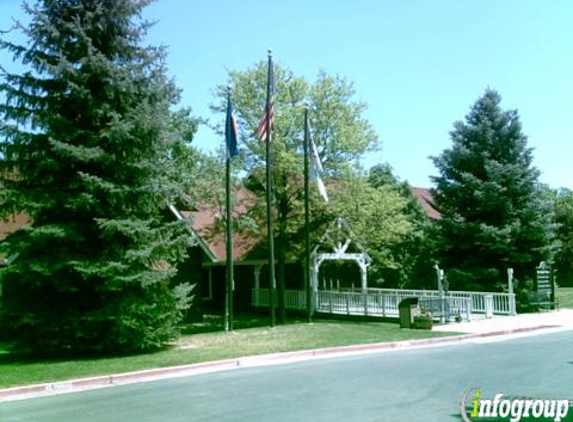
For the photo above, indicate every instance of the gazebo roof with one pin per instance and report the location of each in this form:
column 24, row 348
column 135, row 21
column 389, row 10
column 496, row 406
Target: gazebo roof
column 340, row 243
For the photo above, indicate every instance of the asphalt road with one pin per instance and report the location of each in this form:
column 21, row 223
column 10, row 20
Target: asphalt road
column 413, row 385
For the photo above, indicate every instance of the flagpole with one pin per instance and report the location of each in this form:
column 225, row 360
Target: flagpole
column 271, row 243
column 307, row 280
column 230, row 275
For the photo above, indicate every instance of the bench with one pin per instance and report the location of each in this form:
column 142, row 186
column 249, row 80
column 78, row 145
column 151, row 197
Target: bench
column 542, row 300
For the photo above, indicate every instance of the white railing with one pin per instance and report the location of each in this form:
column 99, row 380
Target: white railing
column 447, row 308
column 386, row 305
column 384, row 302
column 503, row 303
column 346, row 303
column 294, row 299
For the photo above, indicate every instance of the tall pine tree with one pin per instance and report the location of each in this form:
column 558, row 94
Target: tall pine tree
column 564, row 218
column 493, row 215
column 84, row 141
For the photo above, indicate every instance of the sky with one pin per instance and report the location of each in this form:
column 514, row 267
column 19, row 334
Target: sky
column 418, row 64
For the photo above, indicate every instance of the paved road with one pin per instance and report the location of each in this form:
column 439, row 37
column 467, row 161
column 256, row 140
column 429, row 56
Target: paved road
column 414, row 385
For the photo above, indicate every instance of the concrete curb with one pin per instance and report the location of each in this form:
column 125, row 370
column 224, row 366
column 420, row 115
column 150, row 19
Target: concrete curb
column 30, row 391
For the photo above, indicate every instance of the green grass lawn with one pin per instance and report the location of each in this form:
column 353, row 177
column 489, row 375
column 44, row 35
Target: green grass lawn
column 207, row 346
column 565, row 296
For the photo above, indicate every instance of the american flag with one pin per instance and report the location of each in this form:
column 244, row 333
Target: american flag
column 262, row 128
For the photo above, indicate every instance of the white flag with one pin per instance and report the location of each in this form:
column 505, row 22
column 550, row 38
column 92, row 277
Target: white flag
column 316, row 168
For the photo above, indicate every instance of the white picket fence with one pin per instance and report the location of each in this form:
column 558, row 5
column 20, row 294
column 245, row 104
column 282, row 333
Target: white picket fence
column 384, row 302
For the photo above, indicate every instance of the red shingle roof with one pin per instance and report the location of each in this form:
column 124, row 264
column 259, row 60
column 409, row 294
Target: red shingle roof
column 205, row 219
column 204, row 224
column 12, row 224
column 424, row 196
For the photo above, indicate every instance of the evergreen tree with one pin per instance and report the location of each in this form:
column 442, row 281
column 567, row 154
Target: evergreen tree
column 564, row 219
column 493, row 215
column 85, row 144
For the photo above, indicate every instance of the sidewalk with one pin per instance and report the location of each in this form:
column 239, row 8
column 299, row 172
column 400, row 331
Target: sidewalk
column 493, row 329
column 562, row 319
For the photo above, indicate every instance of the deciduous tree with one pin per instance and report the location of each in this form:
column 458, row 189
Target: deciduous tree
column 410, row 253
column 340, row 131
column 380, row 219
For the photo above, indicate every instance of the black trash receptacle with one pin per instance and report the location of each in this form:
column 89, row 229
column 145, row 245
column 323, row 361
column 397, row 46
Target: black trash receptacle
column 406, row 310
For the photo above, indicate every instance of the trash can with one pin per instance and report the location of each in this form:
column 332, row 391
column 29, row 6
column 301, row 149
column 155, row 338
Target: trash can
column 407, row 309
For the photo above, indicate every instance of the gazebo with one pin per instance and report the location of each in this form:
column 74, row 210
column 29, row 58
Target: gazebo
column 335, row 245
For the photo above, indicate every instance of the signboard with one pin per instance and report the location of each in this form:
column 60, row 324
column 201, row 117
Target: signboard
column 544, row 279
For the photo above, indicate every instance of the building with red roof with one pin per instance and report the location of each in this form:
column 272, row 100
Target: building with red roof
column 205, row 266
